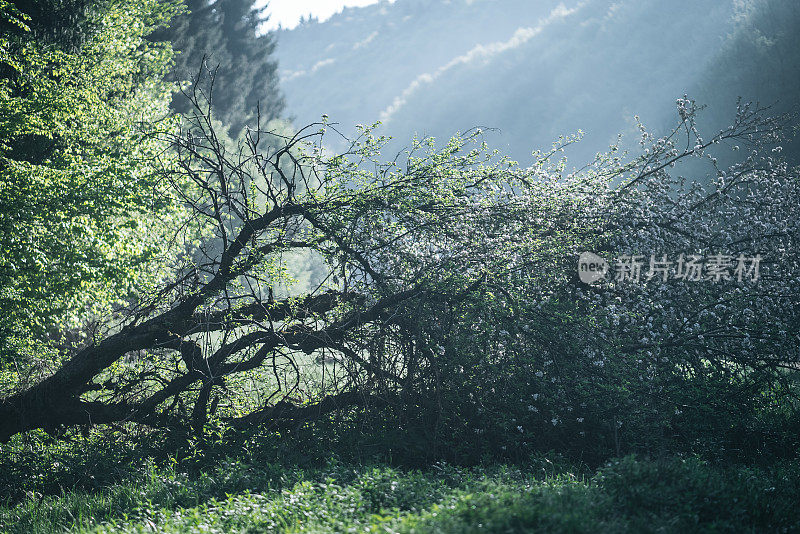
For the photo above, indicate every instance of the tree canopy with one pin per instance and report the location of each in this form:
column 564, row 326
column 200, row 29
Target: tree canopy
column 81, row 209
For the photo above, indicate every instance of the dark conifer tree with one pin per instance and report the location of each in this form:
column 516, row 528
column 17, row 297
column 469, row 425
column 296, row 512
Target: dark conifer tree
column 61, row 23
column 197, row 37
column 253, row 80
column 225, row 33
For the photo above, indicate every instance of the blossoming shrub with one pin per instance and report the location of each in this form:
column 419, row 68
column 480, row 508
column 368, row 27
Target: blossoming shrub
column 660, row 361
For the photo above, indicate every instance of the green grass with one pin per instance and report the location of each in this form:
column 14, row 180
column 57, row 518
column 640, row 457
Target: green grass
column 627, row 495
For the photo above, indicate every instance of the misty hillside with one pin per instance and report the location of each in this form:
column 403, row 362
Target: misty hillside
column 537, row 70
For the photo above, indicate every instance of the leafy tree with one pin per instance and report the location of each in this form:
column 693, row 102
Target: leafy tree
column 80, row 210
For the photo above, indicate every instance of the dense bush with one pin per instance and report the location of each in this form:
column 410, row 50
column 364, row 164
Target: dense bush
column 536, row 360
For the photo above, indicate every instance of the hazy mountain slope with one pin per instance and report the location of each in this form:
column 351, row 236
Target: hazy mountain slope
column 534, row 70
column 759, row 61
column 354, row 65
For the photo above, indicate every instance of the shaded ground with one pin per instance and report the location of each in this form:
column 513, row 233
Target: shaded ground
column 625, row 495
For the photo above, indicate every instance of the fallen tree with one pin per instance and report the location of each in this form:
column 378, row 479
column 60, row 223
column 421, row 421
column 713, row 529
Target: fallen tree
column 251, row 207
column 417, row 254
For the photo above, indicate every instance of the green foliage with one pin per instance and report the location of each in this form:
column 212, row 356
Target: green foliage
column 82, row 216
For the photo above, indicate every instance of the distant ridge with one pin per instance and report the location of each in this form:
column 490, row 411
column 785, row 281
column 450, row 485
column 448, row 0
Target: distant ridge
column 534, row 70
